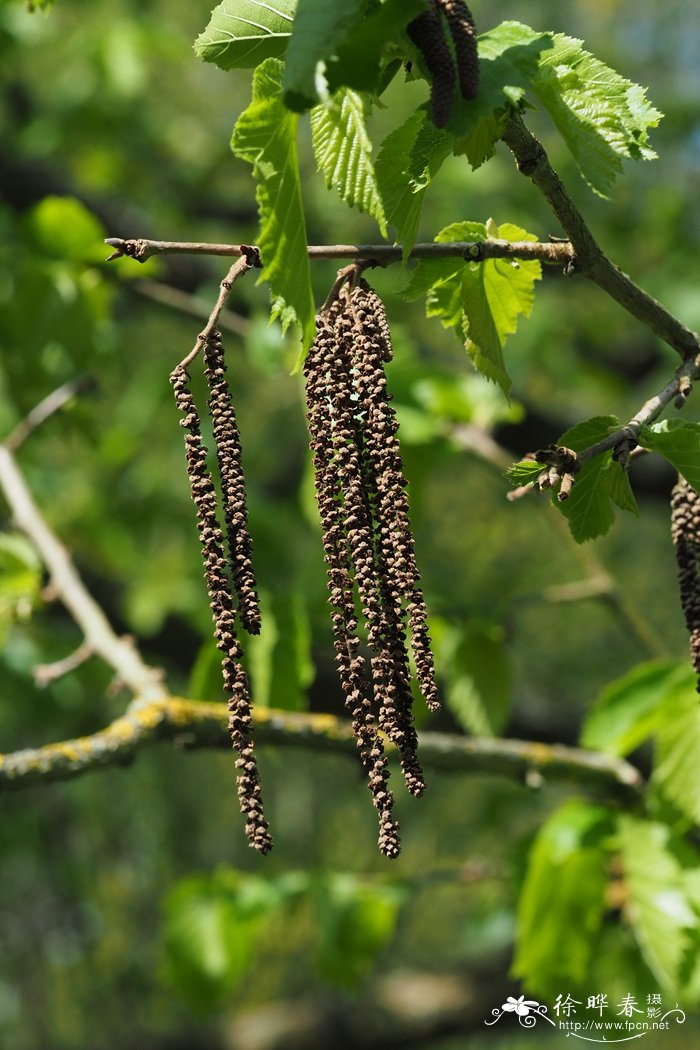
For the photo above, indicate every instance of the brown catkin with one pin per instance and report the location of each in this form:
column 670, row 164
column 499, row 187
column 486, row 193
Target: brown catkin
column 346, row 545
column 370, row 347
column 228, row 452
column 427, row 33
column 216, row 573
column 685, row 533
column 463, row 31
column 395, row 533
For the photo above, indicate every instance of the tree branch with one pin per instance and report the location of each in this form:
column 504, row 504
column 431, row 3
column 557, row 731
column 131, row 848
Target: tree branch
column 548, row 252
column 192, row 723
column 590, row 260
column 119, row 653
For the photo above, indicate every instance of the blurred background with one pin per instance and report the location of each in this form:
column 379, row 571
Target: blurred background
column 132, row 913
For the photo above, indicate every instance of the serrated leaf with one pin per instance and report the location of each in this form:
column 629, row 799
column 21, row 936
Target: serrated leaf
column 629, row 710
column 601, row 116
column 243, row 33
column 509, row 57
column 588, row 509
column 676, row 764
column 526, row 472
column 483, row 301
column 562, row 902
column 265, row 136
column 344, row 152
column 679, row 442
column 402, row 205
column 658, row 907
column 318, row 29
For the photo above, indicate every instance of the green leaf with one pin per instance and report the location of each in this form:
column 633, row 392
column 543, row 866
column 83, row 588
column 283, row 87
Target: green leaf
column 401, row 204
column 676, row 759
column 617, row 484
column 509, row 56
column 265, row 136
column 479, row 675
column 482, row 300
column 589, row 509
column 526, row 472
column 679, row 442
column 562, row 902
column 357, row 59
column 628, row 711
column 344, row 152
column 601, row 116
column 658, row 908
column 318, row 29
column 355, row 920
column 243, row 33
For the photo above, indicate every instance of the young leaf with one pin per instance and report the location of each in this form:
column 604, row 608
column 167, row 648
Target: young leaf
column 562, row 903
column 318, row 29
column 509, row 56
column 526, row 472
column 676, row 765
column 679, row 442
column 243, row 33
column 265, row 136
column 658, row 908
column 344, row 152
column 629, row 710
column 588, row 509
column 601, row 116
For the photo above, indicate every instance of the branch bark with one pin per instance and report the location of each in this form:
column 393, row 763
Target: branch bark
column 192, row 723
column 590, row 260
column 383, row 254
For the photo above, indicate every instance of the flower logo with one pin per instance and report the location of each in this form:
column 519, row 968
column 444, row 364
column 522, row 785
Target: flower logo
column 520, row 1006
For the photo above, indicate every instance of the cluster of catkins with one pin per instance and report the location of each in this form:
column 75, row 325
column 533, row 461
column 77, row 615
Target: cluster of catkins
column 685, row 532
column 445, row 35
column 367, row 538
column 227, row 563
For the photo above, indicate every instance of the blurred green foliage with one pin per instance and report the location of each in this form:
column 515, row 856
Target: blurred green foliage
column 132, row 912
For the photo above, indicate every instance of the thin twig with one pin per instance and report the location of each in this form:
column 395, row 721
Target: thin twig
column 199, row 724
column 249, row 258
column 51, row 404
column 548, row 252
column 589, row 259
column 44, row 674
column 648, row 413
column 120, row 653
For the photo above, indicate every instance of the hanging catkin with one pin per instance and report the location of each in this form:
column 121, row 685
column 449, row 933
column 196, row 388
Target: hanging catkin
column 463, row 32
column 448, row 57
column 228, row 454
column 367, row 538
column 338, row 484
column 685, row 532
column 216, row 573
column 426, row 32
